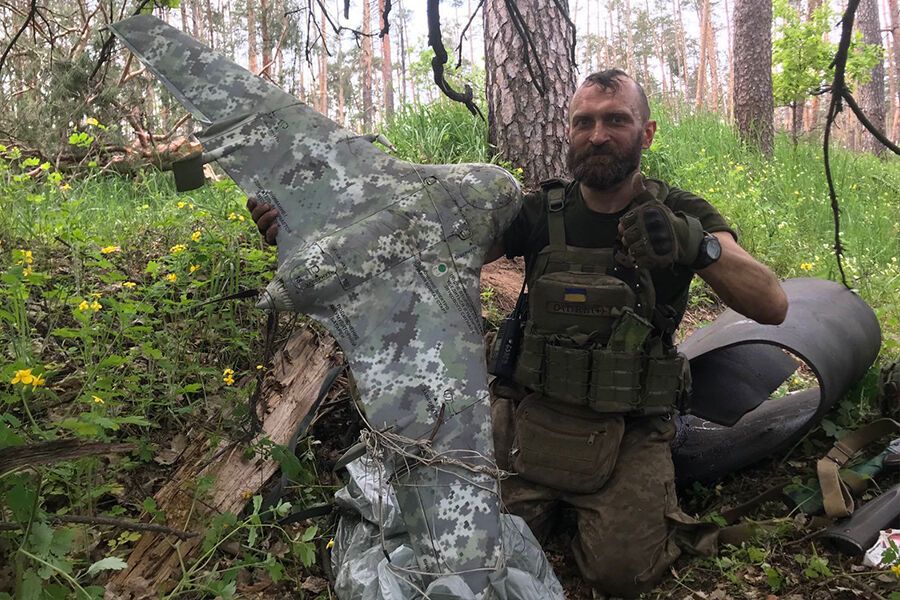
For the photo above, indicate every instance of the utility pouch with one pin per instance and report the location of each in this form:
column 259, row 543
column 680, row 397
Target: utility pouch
column 664, row 384
column 573, row 449
column 578, row 303
column 530, row 366
column 567, row 373
column 616, row 381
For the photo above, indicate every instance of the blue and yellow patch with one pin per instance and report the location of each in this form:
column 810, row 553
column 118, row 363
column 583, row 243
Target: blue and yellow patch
column 575, row 295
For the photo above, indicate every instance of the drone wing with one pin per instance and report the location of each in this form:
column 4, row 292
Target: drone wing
column 320, row 176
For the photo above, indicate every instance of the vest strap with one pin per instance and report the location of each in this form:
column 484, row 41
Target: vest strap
column 555, row 193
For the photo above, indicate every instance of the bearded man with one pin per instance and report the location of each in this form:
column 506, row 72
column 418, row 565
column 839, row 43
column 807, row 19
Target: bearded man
column 586, row 420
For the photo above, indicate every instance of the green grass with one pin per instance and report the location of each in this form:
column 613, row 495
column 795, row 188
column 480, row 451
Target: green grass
column 781, row 209
column 101, row 279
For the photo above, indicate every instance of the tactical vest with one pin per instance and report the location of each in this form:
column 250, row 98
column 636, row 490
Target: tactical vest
column 593, row 335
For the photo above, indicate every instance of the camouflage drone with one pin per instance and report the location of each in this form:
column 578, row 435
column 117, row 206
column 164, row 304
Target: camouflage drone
column 386, row 255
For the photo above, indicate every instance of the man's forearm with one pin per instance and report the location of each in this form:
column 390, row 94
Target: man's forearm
column 746, row 285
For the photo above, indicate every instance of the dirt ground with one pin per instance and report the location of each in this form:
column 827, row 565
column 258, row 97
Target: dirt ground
column 501, row 282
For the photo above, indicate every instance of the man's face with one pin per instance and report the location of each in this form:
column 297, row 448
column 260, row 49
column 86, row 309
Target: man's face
column 606, row 135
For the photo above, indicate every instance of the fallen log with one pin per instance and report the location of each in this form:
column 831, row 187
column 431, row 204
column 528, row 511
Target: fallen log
column 17, row 457
column 289, row 390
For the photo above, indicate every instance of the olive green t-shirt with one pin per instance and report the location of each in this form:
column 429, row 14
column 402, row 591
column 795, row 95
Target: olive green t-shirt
column 586, row 228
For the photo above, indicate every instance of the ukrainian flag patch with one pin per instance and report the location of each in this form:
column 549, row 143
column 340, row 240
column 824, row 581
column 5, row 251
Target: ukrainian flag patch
column 575, row 295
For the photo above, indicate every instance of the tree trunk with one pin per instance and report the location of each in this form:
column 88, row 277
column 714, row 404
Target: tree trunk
column 209, row 24
column 527, row 128
column 894, row 19
column 729, row 107
column 629, row 41
column 251, row 39
column 403, row 83
column 367, row 68
column 871, row 95
column 264, row 36
column 700, row 96
column 195, row 14
column 682, row 49
column 712, row 62
column 323, row 69
column 753, row 103
column 811, row 109
column 387, row 69
column 184, row 17
column 660, row 56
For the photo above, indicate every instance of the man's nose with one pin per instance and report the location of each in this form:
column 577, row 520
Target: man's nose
column 599, row 135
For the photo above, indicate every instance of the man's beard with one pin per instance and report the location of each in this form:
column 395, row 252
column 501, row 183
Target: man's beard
column 602, row 167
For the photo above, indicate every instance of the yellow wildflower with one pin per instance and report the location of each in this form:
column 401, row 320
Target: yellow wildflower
column 807, row 266
column 95, row 306
column 895, row 569
column 110, row 249
column 27, row 271
column 182, row 204
column 25, row 257
column 329, row 545
column 193, row 268
column 228, row 376
column 129, row 284
column 84, row 306
column 37, row 380
column 172, row 277
column 260, row 367
column 97, row 399
column 177, row 248
column 233, row 216
column 65, row 186
column 196, row 236
column 22, row 376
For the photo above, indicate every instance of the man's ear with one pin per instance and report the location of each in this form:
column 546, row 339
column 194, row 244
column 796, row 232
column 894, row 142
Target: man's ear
column 649, row 132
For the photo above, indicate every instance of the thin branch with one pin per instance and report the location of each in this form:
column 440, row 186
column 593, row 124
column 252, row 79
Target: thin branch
column 834, row 108
column 440, row 59
column 32, row 11
column 864, row 120
column 840, row 94
column 106, row 50
column 109, row 521
column 462, row 35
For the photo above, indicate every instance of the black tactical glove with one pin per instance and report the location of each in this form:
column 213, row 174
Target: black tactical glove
column 655, row 237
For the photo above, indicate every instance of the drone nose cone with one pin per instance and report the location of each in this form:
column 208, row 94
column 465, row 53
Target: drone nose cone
column 265, row 301
column 275, row 297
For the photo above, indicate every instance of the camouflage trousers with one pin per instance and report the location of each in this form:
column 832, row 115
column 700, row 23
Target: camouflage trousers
column 630, row 530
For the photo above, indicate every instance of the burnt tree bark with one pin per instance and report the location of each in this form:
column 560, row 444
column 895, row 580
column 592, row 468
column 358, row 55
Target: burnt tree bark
column 753, row 102
column 527, row 127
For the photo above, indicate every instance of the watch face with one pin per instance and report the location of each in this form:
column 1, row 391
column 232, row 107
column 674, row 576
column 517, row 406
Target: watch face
column 713, row 248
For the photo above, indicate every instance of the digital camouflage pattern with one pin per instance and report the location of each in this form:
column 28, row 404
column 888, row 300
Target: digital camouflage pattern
column 386, row 255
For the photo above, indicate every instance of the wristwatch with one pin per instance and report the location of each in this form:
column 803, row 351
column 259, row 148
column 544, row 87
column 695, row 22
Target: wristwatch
column 709, row 252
